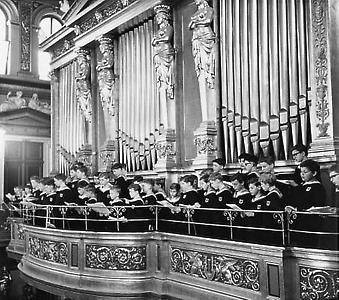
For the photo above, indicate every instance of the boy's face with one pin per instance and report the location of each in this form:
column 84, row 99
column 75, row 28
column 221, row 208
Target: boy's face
column 117, row 172
column 173, row 193
column 185, row 186
column 216, row 167
column 215, row 184
column 34, row 184
column 203, row 185
column 253, row 189
column 49, row 188
column 113, row 194
column 298, row 156
column 265, row 186
column 146, row 187
column 248, row 166
column 133, row 193
column 57, row 182
column 237, row 185
column 265, row 167
column 81, row 191
column 72, row 173
column 103, row 181
column 80, row 174
column 306, row 174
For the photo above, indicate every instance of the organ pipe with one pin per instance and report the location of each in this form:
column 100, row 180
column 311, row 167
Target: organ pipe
column 265, row 70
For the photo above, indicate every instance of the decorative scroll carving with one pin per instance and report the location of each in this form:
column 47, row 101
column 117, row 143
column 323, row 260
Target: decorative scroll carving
column 84, row 155
column 203, row 49
column 62, row 48
column 166, row 149
column 52, row 251
column 106, row 83
column 83, row 91
column 21, row 232
column 318, row 284
column 70, row 159
column 205, row 145
column 319, row 23
column 163, row 63
column 103, row 13
column 107, row 155
column 215, row 267
column 25, row 28
column 116, row 258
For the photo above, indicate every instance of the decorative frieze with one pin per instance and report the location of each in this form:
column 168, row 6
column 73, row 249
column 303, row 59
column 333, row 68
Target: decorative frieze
column 116, row 257
column 321, row 68
column 102, row 14
column 66, row 45
column 52, row 251
column 216, row 267
column 318, row 284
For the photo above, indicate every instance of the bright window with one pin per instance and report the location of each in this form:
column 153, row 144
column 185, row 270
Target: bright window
column 48, row 26
column 4, row 44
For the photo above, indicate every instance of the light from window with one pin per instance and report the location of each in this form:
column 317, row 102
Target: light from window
column 4, row 45
column 48, row 26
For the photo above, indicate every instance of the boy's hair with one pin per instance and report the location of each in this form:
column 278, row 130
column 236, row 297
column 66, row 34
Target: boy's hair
column 148, row 181
column 135, row 186
column 300, row 148
column 253, row 180
column 138, row 178
column 219, row 161
column 48, row 181
column 116, row 188
column 251, row 158
column 216, row 176
column 105, row 175
column 175, row 186
column 268, row 178
column 90, row 188
column 34, row 178
column 205, row 178
column 311, row 164
column 267, row 159
column 240, row 177
column 82, row 169
column 207, row 171
column 117, row 166
column 82, row 184
column 189, row 179
column 60, row 177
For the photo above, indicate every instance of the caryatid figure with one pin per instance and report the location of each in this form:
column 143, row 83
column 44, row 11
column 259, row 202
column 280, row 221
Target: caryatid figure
column 106, row 84
column 203, row 48
column 163, row 63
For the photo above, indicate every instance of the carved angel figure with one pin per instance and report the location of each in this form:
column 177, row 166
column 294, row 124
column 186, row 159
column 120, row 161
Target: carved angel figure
column 34, row 103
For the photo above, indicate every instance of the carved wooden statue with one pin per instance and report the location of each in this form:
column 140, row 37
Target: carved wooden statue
column 83, row 92
column 203, row 48
column 163, row 63
column 106, row 84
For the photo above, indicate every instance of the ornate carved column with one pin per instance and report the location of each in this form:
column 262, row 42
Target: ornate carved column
column 108, row 97
column 84, row 98
column 83, row 89
column 54, row 75
column 204, row 51
column 164, row 53
column 325, row 143
column 25, row 10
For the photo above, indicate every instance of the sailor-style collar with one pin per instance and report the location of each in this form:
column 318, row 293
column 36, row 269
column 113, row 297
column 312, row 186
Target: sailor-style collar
column 173, row 200
column 51, row 194
column 256, row 199
column 104, row 188
column 63, row 188
column 275, row 191
column 116, row 200
column 135, row 200
column 222, row 190
column 311, row 182
column 209, row 193
column 240, row 193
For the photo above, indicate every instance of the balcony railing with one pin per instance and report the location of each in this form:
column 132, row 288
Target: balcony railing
column 281, row 228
